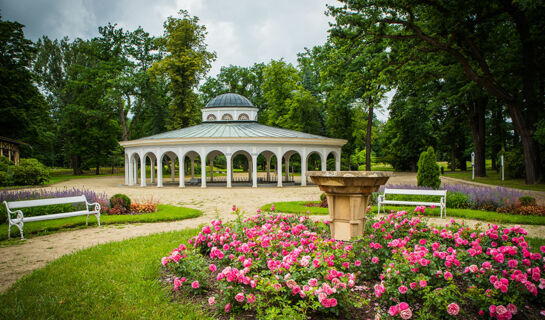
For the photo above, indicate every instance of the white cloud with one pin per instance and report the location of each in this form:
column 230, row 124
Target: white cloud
column 241, row 32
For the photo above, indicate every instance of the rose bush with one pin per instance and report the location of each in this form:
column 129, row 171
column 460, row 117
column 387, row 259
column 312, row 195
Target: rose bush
column 288, row 266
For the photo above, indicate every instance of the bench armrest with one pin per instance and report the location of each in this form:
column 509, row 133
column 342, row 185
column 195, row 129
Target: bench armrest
column 96, row 204
column 19, row 213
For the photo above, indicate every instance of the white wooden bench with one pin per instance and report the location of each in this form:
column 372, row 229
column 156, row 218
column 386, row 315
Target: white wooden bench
column 13, row 208
column 382, row 200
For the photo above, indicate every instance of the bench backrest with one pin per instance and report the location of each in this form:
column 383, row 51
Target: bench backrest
column 44, row 202
column 416, row 192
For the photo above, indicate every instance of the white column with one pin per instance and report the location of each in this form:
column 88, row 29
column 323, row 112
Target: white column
column 143, row 171
column 338, row 162
column 254, row 170
column 172, row 169
column 134, row 172
column 152, row 170
column 279, row 171
column 303, row 170
column 192, row 168
column 229, row 170
column 160, row 172
column 268, row 158
column 324, row 162
column 203, row 172
column 250, row 166
column 126, row 170
column 211, row 169
column 287, row 164
column 182, row 172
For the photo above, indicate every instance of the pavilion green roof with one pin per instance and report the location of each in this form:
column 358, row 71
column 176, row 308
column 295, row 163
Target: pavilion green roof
column 229, row 100
column 232, row 130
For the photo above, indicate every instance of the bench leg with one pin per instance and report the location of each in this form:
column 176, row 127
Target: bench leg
column 98, row 218
column 9, row 231
column 20, row 226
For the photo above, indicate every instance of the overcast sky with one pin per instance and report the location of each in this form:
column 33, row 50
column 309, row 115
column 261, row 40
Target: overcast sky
column 241, row 32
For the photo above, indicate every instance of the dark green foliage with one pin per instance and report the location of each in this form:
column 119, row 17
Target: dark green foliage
column 527, row 201
column 24, row 111
column 458, row 200
column 323, row 196
column 30, row 172
column 513, row 162
column 120, row 200
column 428, row 170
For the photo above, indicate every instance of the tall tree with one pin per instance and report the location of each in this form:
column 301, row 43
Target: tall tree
column 185, row 63
column 24, row 110
column 495, row 43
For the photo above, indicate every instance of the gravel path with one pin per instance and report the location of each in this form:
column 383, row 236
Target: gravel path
column 215, row 202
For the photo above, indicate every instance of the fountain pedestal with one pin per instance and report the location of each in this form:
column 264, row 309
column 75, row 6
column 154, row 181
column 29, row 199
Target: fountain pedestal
column 348, row 197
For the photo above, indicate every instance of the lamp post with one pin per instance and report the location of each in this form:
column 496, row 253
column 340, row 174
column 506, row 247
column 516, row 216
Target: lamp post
column 473, row 166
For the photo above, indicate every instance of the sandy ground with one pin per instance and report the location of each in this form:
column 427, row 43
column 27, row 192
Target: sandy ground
column 216, row 202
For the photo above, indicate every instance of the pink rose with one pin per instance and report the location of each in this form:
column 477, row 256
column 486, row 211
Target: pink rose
column 374, row 260
column 227, row 308
column 357, row 263
column 403, row 289
column 512, row 308
column 393, row 311
column 406, row 314
column 403, row 306
column 212, row 267
column 239, row 297
column 423, row 283
column 212, row 301
column 195, row 284
column 313, row 282
column 453, row 309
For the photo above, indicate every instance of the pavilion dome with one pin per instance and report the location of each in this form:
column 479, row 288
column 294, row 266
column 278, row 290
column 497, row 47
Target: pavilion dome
column 229, row 100
column 229, row 107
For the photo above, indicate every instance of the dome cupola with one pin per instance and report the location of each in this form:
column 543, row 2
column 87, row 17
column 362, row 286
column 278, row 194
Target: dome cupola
column 229, row 107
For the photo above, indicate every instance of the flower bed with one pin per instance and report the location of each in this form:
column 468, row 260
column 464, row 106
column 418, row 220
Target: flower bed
column 287, row 266
column 18, row 195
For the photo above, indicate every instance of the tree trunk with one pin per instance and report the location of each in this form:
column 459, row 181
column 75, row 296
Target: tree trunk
column 368, row 136
column 97, row 170
column 453, row 158
column 476, row 114
column 533, row 174
column 413, row 166
column 123, row 120
column 76, row 164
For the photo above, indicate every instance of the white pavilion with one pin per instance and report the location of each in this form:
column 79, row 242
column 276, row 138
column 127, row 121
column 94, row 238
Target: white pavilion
column 229, row 127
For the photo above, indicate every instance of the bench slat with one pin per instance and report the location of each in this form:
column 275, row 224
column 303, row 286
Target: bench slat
column 54, row 216
column 411, row 202
column 416, row 192
column 45, row 202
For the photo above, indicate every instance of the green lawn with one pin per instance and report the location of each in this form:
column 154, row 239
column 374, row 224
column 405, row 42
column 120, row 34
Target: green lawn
column 494, row 178
column 117, row 280
column 164, row 212
column 298, row 207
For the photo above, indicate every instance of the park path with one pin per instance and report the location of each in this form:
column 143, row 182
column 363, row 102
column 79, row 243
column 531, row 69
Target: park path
column 20, row 259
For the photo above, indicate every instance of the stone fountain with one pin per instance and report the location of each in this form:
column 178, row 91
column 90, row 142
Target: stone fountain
column 348, row 197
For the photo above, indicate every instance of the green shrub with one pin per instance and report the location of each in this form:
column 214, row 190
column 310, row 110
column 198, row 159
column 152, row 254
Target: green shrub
column 5, row 179
column 5, row 162
column 323, row 196
column 428, row 170
column 30, row 172
column 458, row 200
column 527, row 201
column 120, row 200
column 513, row 162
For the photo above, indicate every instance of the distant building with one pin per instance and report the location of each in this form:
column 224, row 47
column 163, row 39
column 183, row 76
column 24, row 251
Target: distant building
column 10, row 148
